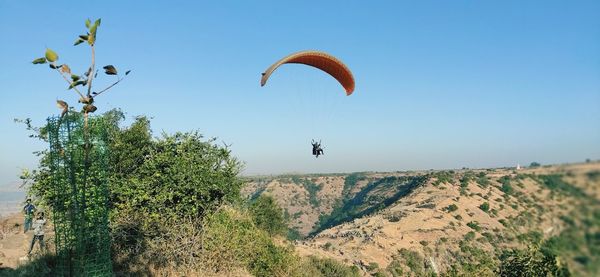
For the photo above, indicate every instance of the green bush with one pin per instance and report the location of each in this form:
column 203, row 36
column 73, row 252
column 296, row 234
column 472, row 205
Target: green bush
column 531, row 262
column 556, row 183
column 506, row 186
column 411, row 259
column 531, row 237
column 395, row 268
column 182, row 176
column 474, row 225
column 268, row 215
column 451, row 208
column 293, row 234
column 483, row 180
column 485, row 207
column 443, row 177
column 327, row 267
column 372, row 266
column 232, row 240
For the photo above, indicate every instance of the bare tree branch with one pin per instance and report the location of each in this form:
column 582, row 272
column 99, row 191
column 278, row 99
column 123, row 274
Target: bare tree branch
column 68, row 81
column 107, row 88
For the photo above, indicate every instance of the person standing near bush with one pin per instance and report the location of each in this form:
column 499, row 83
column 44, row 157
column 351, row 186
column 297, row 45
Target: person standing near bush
column 28, row 210
column 38, row 232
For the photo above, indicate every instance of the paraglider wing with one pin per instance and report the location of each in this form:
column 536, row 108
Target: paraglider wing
column 320, row 60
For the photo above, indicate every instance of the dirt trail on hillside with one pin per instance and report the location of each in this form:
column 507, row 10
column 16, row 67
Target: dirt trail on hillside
column 14, row 243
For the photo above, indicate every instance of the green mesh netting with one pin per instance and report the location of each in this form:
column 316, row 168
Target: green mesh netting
column 78, row 163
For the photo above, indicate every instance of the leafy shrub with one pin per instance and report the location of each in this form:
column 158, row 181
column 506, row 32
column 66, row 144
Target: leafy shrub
column 268, row 215
column 531, row 262
column 555, row 183
column 231, row 240
column 485, row 206
column 293, row 234
column 451, row 208
column 372, row 266
column 488, row 236
column 443, row 177
column 395, row 269
column 327, row 267
column 474, row 225
column 394, row 216
column 413, row 260
column 466, row 178
column 506, row 187
column 531, row 236
column 593, row 175
column 482, row 180
column 470, row 235
column 180, row 176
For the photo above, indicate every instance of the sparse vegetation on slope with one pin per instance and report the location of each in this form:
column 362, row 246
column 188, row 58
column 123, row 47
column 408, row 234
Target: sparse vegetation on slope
column 374, row 197
column 463, row 225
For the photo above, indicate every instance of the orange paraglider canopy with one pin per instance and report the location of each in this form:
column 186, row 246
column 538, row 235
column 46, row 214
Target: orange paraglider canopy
column 320, row 60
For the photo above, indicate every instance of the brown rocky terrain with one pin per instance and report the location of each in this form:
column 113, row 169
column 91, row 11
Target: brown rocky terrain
column 442, row 217
column 14, row 244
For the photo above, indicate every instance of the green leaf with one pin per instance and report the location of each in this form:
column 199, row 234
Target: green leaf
column 84, row 37
column 75, row 77
column 110, row 70
column 92, row 35
column 53, row 66
column 39, row 61
column 51, row 56
column 78, row 41
column 87, row 23
column 127, row 72
column 97, row 23
column 74, row 84
column 93, row 30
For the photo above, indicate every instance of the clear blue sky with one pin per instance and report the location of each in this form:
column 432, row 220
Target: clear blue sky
column 439, row 84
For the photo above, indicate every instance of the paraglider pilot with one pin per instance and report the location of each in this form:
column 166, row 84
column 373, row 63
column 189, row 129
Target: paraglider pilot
column 317, row 150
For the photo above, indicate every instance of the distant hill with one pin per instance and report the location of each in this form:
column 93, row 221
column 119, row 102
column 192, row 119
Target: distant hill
column 432, row 221
column 11, row 197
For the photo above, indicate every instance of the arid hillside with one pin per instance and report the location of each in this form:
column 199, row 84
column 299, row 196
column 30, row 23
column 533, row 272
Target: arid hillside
column 443, row 221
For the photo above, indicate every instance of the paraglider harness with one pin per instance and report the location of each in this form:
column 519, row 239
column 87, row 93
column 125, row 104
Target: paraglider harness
column 317, row 150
